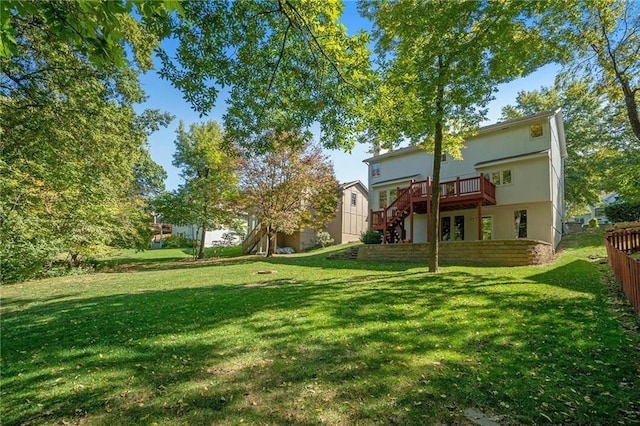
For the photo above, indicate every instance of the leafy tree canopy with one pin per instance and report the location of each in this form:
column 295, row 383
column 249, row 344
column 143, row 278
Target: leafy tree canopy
column 603, row 37
column 287, row 64
column 74, row 166
column 290, row 187
column 207, row 196
column 96, row 30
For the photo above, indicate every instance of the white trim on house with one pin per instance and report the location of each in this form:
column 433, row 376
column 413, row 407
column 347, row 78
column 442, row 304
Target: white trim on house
column 392, row 181
column 513, row 159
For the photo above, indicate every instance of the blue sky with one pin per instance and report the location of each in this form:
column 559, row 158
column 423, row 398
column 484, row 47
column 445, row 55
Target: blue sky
column 347, row 166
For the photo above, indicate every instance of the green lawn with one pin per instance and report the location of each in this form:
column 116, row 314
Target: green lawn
column 318, row 341
column 124, row 257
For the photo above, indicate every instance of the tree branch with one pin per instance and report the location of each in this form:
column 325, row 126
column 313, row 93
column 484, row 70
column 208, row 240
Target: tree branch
column 316, row 42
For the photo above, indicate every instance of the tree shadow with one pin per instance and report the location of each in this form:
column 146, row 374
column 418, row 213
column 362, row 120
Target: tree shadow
column 409, row 348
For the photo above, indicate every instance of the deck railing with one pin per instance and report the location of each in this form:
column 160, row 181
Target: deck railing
column 421, row 190
column 620, row 245
column 400, row 204
column 466, row 187
column 464, row 190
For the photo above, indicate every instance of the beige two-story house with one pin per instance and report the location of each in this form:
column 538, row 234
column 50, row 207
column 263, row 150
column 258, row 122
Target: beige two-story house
column 508, row 184
column 349, row 223
column 351, row 216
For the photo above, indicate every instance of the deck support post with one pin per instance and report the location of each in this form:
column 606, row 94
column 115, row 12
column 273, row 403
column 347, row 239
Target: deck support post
column 428, row 209
column 411, row 218
column 480, row 221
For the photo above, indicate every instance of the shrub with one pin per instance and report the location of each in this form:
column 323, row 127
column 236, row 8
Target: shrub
column 323, row 239
column 175, row 241
column 623, row 211
column 593, row 223
column 371, row 237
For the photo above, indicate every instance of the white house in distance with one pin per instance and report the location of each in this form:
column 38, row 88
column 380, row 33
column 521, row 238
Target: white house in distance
column 212, row 237
column 509, row 184
column 597, row 212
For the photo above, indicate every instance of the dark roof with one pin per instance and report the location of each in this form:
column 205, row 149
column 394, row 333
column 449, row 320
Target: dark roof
column 396, row 179
column 346, row 185
column 513, row 157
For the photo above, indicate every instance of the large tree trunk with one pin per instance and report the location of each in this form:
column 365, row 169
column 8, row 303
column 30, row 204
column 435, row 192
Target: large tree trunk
column 632, row 108
column 270, row 242
column 435, row 199
column 435, row 184
column 202, row 239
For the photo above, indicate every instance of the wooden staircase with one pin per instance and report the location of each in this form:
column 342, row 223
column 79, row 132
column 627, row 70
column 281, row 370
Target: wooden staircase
column 458, row 194
column 253, row 238
column 396, row 213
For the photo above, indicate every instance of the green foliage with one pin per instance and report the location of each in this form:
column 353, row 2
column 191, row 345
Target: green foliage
column 75, row 165
column 623, row 211
column 174, row 241
column 289, row 65
column 209, row 169
column 593, row 223
column 603, row 37
column 324, row 239
column 371, row 237
column 96, row 30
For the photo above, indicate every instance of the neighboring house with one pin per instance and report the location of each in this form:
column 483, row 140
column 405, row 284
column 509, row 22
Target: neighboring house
column 349, row 223
column 351, row 217
column 212, row 237
column 597, row 212
column 509, row 184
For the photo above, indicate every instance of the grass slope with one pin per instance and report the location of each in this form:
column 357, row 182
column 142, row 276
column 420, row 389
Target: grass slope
column 319, row 341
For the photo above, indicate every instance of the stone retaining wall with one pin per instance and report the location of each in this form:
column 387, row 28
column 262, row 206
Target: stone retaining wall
column 473, row 253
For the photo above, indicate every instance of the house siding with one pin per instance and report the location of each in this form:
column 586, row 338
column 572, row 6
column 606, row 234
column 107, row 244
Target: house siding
column 537, row 177
column 347, row 226
column 350, row 221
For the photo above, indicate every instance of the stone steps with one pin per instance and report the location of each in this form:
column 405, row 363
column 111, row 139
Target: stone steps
column 349, row 254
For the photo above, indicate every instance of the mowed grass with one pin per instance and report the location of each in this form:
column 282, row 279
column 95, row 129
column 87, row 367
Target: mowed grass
column 320, row 341
column 130, row 256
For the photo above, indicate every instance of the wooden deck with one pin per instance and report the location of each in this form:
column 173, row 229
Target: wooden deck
column 458, row 194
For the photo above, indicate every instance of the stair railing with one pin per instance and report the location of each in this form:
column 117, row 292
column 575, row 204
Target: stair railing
column 254, row 237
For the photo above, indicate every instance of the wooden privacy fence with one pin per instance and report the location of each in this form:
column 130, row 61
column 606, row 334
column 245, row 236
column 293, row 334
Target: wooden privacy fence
column 620, row 245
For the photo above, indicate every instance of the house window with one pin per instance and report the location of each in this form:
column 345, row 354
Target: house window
column 382, row 199
column 458, row 228
column 445, row 228
column 495, row 178
column 501, row 178
column 535, row 131
column 375, row 169
column 354, row 198
column 506, row 177
column 520, row 223
column 487, row 227
column 393, row 194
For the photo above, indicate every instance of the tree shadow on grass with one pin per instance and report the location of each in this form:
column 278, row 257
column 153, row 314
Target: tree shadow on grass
column 379, row 348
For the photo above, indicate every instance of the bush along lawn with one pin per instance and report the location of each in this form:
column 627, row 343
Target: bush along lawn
column 318, row 341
